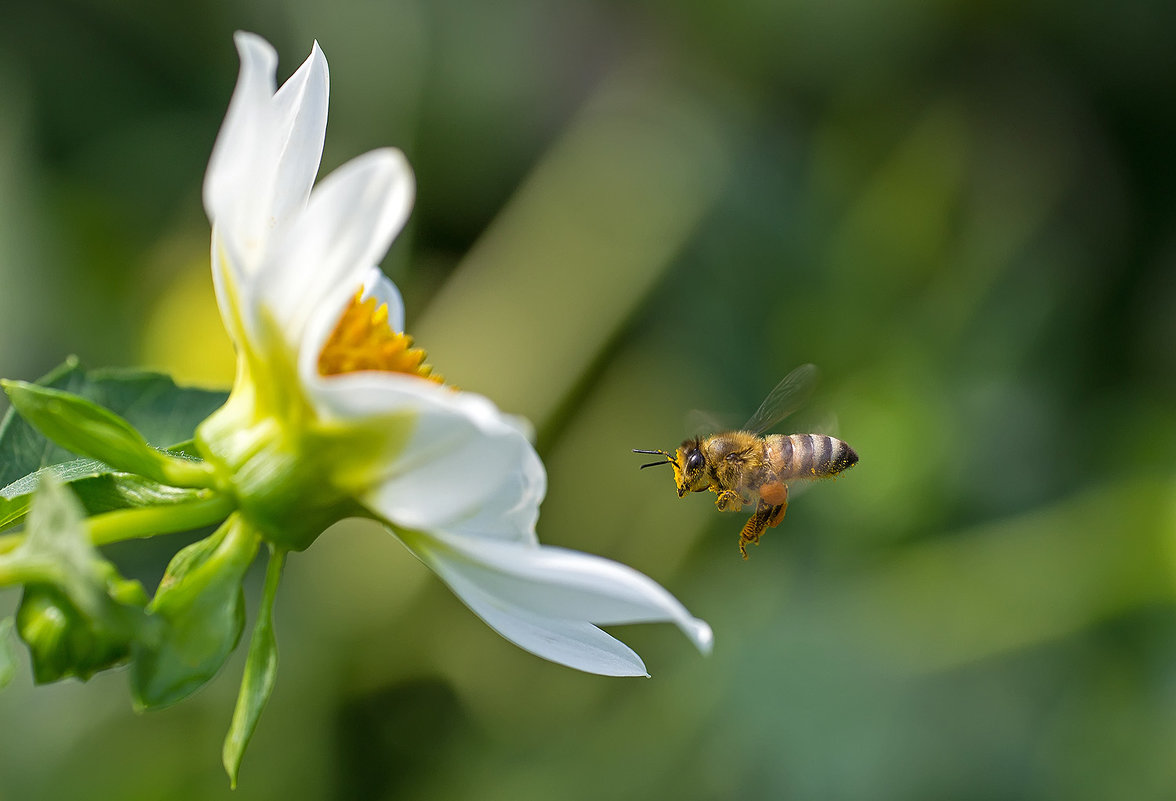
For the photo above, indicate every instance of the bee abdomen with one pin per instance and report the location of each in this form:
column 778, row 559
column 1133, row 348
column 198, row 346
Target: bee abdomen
column 814, row 456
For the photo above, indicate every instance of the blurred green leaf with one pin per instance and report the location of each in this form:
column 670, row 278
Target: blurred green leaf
column 7, row 653
column 261, row 671
column 201, row 607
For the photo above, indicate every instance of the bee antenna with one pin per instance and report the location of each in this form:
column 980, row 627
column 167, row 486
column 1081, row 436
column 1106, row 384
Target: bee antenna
column 665, row 456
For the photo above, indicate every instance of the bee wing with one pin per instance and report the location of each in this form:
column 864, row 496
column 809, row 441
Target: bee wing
column 798, row 487
column 825, row 425
column 701, row 422
column 789, row 395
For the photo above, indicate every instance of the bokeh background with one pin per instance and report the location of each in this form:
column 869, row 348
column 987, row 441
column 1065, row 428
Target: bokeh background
column 962, row 212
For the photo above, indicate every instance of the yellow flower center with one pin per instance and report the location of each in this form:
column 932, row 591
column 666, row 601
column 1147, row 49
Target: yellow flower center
column 363, row 340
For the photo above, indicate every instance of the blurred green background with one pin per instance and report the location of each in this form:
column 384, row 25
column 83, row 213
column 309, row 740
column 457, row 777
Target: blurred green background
column 964, row 213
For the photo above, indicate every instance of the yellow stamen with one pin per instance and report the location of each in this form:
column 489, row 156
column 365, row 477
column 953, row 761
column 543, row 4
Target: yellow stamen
column 362, row 340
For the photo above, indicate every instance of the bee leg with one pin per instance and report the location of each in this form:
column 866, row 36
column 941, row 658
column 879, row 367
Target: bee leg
column 766, row 516
column 754, row 527
column 773, row 502
column 729, row 501
column 779, row 507
column 777, row 514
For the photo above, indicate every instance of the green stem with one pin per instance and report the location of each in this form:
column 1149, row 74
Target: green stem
column 188, row 473
column 126, row 524
column 273, row 575
column 25, row 571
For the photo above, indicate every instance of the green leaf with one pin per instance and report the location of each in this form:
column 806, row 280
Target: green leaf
column 110, row 491
column 13, row 511
column 200, row 607
column 7, row 653
column 67, row 472
column 98, row 489
column 261, row 671
column 185, row 448
column 150, row 402
column 15, row 498
column 85, row 428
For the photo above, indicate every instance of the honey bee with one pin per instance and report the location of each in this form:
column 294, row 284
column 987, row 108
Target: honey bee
column 745, row 467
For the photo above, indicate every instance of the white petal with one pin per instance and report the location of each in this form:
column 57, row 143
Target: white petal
column 347, row 226
column 268, row 149
column 300, row 116
column 511, row 511
column 447, row 473
column 239, row 141
column 571, row 584
column 541, row 597
column 232, row 292
column 577, row 644
column 464, row 465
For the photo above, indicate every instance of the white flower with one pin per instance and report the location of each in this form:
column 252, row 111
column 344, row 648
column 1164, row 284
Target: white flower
column 334, row 413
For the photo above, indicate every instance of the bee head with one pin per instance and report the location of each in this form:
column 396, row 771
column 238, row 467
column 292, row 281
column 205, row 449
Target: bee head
column 690, row 468
column 688, row 463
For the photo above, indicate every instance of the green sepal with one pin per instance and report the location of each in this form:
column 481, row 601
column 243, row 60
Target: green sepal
column 77, row 615
column 83, row 427
column 201, row 613
column 261, row 671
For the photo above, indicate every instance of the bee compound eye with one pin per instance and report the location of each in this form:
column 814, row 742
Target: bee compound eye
column 694, row 461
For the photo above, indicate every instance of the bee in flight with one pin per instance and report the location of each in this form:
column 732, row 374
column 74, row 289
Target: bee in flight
column 745, row 467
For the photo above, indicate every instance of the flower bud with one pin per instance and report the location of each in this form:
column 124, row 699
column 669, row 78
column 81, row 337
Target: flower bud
column 65, row 642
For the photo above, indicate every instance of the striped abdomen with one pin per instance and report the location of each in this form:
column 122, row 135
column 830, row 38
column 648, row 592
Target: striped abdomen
column 795, row 456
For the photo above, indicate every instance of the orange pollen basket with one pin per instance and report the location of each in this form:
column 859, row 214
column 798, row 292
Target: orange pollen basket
column 362, row 340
